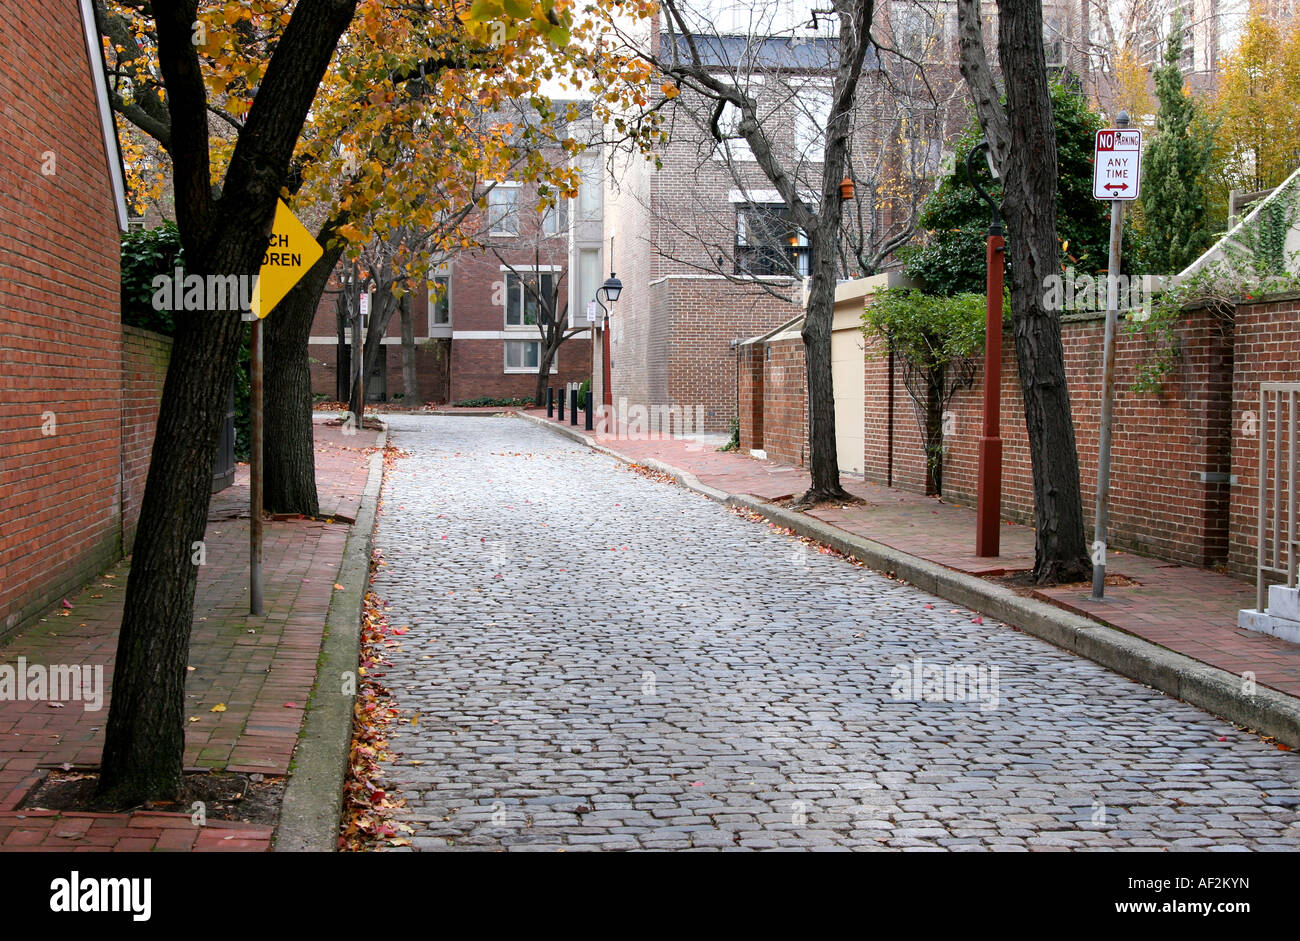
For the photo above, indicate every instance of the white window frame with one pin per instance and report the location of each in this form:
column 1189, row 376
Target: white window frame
column 516, row 370
column 732, row 148
column 433, row 279
column 809, row 137
column 538, row 271
column 512, row 215
column 555, row 219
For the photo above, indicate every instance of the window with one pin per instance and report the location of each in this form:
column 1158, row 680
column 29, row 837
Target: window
column 590, row 196
column 555, row 220
column 734, row 147
column 503, row 218
column 589, row 281
column 918, row 32
column 1054, row 39
column 768, row 243
column 525, row 355
column 440, row 300
column 810, row 122
column 522, row 308
column 522, row 355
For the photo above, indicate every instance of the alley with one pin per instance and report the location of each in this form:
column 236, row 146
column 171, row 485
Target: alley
column 600, row 660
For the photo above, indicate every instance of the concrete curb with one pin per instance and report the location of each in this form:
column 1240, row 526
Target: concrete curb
column 313, row 798
column 1217, row 691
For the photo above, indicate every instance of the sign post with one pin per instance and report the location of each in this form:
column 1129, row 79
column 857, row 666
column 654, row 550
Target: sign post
column 1117, row 176
column 363, row 319
column 290, row 253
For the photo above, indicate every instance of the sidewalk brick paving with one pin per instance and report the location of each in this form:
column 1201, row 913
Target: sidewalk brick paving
column 1190, row 610
column 255, row 666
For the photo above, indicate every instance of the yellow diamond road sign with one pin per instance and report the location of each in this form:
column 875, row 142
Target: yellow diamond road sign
column 291, row 252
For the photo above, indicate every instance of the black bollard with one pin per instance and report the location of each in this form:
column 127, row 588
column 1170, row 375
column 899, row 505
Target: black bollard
column 590, row 426
column 560, row 417
column 573, row 407
column 550, row 402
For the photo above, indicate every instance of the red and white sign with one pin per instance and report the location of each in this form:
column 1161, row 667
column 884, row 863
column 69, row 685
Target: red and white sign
column 1117, row 164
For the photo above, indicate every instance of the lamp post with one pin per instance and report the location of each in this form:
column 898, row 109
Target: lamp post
column 612, row 288
column 988, row 513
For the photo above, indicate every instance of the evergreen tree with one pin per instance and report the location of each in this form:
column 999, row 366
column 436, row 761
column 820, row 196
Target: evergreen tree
column 1174, row 171
column 950, row 259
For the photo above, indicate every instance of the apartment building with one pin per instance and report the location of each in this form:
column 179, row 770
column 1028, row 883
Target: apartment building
column 476, row 319
column 703, row 242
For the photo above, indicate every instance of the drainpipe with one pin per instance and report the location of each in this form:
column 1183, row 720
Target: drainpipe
column 889, row 425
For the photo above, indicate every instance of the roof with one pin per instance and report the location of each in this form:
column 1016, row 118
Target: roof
column 749, row 53
column 1233, row 241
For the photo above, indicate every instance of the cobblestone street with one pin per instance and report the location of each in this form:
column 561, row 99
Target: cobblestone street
column 600, row 660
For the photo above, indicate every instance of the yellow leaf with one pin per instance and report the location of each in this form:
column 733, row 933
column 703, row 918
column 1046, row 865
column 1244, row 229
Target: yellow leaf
column 219, row 707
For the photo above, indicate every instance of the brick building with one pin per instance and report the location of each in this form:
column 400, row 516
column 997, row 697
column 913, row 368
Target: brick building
column 79, row 391
column 703, row 245
column 475, row 320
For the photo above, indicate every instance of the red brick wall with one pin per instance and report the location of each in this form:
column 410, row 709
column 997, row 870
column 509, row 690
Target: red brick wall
column 478, row 368
column 145, row 355
column 1170, row 451
column 1163, row 445
column 901, row 461
column 59, row 290
column 701, row 318
column 1267, row 340
column 785, row 402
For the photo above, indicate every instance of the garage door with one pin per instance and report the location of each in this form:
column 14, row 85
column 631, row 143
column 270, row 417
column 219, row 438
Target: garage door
column 848, row 370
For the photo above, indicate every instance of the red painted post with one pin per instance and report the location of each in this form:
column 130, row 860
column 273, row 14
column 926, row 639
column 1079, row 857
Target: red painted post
column 988, row 513
column 607, row 392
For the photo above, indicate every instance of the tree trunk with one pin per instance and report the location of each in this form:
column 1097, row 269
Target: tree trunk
column 144, row 744
column 410, row 377
column 145, row 737
column 823, row 241
column 934, row 428
column 823, row 457
column 1029, row 204
column 288, row 444
column 1023, row 141
column 550, row 346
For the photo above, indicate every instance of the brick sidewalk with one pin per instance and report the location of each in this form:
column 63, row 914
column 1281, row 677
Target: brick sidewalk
column 1190, row 610
column 261, row 668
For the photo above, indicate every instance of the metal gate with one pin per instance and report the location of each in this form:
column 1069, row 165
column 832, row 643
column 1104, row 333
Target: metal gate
column 223, row 471
column 1277, row 536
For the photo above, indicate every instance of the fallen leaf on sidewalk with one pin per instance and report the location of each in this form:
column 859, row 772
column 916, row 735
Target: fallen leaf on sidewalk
column 338, row 587
column 219, row 707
